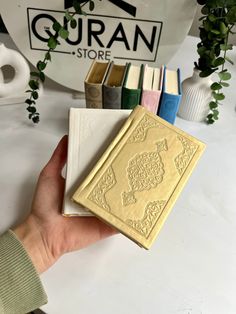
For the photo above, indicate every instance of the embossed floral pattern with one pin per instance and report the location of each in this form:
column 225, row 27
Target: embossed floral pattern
column 140, row 132
column 145, row 171
column 106, row 182
column 182, row 160
column 152, row 211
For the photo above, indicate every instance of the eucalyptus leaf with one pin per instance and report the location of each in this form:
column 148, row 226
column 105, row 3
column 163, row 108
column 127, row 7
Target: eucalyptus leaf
column 31, row 109
column 224, row 84
column 201, row 2
column 35, row 95
column 42, row 76
column 56, row 26
column 63, row 33
column 34, row 84
column 52, row 42
column 218, row 96
column 73, row 23
column 212, row 17
column 201, row 50
column 210, row 121
column 206, row 72
column 213, row 105
column 205, row 10
column 35, row 118
column 231, row 15
column 91, row 5
column 207, row 25
column 28, row 101
column 218, row 61
column 225, row 47
column 41, row 65
column 224, row 76
column 77, row 7
column 215, row 114
column 215, row 31
column 223, row 28
column 216, row 86
column 48, row 56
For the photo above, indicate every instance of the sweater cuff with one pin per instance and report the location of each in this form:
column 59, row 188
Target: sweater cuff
column 21, row 290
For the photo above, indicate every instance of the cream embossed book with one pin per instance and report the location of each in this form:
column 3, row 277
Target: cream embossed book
column 90, row 132
column 136, row 182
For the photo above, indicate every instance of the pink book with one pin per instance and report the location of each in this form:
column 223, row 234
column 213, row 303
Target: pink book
column 152, row 87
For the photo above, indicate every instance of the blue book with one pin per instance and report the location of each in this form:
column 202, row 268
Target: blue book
column 171, row 95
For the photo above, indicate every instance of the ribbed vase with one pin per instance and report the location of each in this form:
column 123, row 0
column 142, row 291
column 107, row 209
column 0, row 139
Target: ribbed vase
column 196, row 95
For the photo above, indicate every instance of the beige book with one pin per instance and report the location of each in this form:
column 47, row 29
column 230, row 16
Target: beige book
column 136, row 182
column 93, row 84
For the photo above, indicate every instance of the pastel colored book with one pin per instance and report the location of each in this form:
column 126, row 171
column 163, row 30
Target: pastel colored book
column 131, row 91
column 136, row 182
column 152, row 87
column 93, row 84
column 171, row 95
column 90, row 132
column 112, row 87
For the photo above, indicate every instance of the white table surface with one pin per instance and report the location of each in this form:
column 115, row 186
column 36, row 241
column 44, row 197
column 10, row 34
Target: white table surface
column 191, row 268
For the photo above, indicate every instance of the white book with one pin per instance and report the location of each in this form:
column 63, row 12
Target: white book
column 90, row 132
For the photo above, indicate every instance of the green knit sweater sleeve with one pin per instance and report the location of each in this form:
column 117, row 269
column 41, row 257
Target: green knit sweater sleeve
column 21, row 290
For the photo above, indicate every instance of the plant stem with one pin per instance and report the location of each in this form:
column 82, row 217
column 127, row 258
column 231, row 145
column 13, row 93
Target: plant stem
column 31, row 101
column 211, row 117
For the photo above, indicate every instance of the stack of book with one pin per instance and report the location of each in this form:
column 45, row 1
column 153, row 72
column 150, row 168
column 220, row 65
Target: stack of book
column 127, row 168
column 112, row 86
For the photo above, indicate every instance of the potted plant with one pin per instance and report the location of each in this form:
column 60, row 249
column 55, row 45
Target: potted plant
column 217, row 20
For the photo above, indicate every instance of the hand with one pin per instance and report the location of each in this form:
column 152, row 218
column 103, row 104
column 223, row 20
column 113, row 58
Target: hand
column 46, row 234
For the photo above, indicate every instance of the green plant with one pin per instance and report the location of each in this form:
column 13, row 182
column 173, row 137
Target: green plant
column 61, row 33
column 218, row 19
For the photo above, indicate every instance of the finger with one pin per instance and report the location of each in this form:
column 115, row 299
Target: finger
column 58, row 158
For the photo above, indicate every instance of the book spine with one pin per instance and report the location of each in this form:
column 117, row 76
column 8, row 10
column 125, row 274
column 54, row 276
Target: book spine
column 150, row 100
column 93, row 95
column 169, row 107
column 130, row 98
column 111, row 97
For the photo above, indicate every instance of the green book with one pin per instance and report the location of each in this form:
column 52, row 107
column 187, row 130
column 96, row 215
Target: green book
column 131, row 91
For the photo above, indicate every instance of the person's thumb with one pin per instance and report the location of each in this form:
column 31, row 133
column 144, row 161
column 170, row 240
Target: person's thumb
column 58, row 159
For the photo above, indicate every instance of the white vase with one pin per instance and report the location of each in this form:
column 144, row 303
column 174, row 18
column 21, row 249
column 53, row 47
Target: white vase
column 196, row 95
column 21, row 68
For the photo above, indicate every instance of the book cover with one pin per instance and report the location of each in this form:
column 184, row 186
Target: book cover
column 171, row 95
column 131, row 91
column 90, row 132
column 112, row 87
column 152, row 87
column 93, row 84
column 136, row 182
